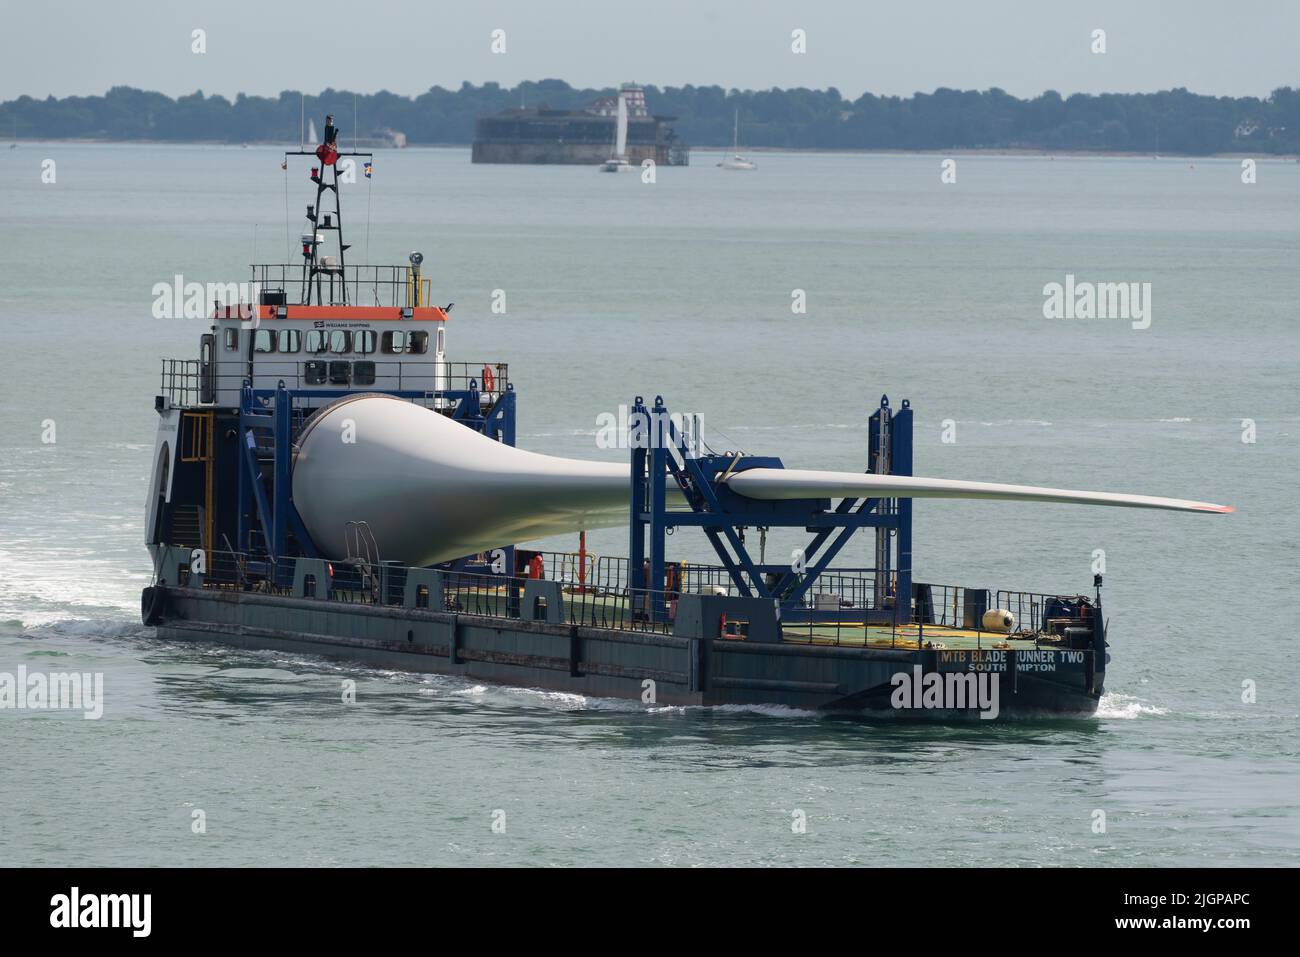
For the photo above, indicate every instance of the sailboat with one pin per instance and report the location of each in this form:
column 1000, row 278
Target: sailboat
column 617, row 163
column 735, row 160
column 311, row 131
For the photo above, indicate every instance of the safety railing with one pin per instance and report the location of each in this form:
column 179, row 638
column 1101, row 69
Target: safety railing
column 484, row 595
column 354, row 285
column 641, row 609
column 1047, row 614
column 327, row 370
column 182, row 379
column 236, row 571
column 848, row 588
column 943, row 605
column 499, row 596
column 181, row 382
column 571, row 569
column 354, row 582
column 604, row 603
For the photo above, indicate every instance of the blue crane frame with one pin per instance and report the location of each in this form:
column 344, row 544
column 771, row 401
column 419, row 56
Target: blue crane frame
column 661, row 451
column 268, row 425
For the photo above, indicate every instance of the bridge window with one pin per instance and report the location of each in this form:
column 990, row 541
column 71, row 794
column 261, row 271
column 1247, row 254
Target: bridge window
column 363, row 372
column 340, row 341
column 263, row 341
column 288, row 340
column 340, row 372
column 317, row 341
column 314, row 372
column 419, row 343
column 365, row 342
column 395, row 343
column 232, row 339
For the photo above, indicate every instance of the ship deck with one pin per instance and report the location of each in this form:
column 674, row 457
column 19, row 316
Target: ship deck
column 611, row 610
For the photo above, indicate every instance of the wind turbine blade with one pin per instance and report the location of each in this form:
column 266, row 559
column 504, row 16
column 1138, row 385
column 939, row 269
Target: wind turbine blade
column 777, row 484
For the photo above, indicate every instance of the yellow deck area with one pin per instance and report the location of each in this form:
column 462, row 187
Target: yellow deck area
column 904, row 636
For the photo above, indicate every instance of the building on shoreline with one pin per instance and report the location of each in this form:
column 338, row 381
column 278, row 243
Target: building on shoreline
column 578, row 137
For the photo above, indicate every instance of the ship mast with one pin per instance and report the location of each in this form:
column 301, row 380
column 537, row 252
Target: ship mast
column 320, row 270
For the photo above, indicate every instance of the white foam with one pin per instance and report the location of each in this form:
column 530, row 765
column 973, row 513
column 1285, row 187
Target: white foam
column 82, row 628
column 767, row 710
column 1125, row 707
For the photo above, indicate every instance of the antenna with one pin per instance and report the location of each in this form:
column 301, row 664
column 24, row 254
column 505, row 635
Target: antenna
column 316, row 268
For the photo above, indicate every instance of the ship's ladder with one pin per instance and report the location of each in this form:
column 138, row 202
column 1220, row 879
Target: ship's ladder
column 197, row 446
column 363, row 555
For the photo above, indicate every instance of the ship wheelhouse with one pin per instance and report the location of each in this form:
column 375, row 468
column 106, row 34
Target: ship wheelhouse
column 335, row 349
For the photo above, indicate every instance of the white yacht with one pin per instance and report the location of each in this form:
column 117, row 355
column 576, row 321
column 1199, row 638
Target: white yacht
column 735, row 160
column 617, row 163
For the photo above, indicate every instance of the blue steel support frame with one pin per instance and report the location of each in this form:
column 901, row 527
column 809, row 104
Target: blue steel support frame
column 901, row 464
column 267, row 422
column 666, row 454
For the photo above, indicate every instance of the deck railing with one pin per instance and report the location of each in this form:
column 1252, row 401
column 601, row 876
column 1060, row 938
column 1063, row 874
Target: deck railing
column 182, row 379
column 354, row 285
column 181, row 382
column 1040, row 612
column 602, row 601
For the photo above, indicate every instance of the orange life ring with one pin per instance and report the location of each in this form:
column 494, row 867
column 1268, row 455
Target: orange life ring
column 489, row 380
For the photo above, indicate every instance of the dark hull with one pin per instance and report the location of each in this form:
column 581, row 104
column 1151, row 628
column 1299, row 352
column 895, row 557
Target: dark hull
column 665, row 669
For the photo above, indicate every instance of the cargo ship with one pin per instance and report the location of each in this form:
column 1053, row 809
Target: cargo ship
column 327, row 481
column 579, row 137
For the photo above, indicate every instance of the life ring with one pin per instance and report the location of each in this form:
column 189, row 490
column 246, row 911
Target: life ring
column 489, row 380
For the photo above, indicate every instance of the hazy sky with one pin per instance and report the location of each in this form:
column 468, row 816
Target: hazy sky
column 64, row 47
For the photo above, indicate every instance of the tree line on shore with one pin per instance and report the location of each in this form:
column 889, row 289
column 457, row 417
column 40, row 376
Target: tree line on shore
column 1170, row 121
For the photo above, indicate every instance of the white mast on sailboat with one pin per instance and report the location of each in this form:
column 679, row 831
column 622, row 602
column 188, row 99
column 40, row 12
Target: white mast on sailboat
column 735, row 160
column 618, row 163
column 620, row 144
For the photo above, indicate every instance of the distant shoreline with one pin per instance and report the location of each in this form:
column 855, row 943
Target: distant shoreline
column 961, row 151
